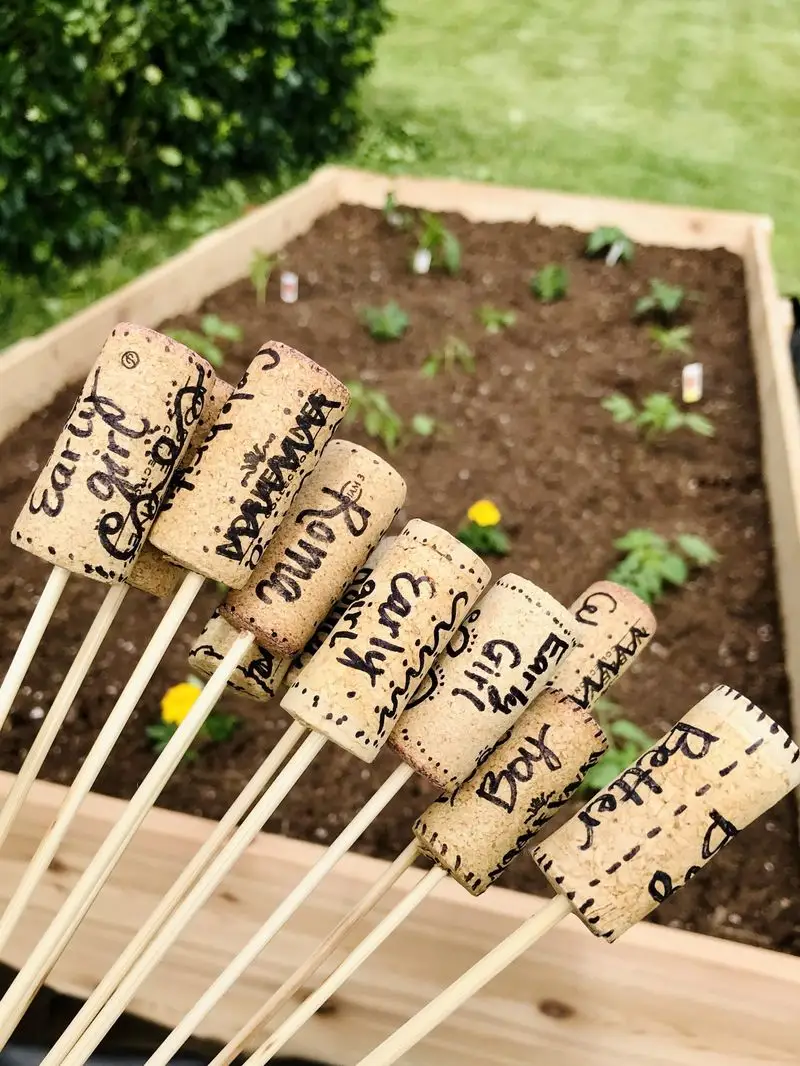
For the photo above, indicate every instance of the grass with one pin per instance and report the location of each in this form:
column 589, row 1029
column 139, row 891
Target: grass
column 684, row 101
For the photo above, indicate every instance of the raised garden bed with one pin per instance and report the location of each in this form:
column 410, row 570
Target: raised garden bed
column 526, row 429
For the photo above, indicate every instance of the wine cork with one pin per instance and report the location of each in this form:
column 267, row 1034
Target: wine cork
column 345, row 506
column 259, row 672
column 535, row 767
column 654, row 827
column 475, row 832
column 613, row 627
column 153, row 572
column 503, row 652
column 348, row 598
column 357, row 685
column 245, row 475
column 98, row 494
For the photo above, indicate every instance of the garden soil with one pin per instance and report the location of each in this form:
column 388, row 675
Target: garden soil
column 527, row 430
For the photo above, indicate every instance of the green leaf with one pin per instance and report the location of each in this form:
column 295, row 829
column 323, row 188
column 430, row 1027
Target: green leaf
column 551, row 283
column 214, row 326
column 674, row 569
column 451, row 253
column 698, row 550
column 169, row 155
column 699, row 424
column 219, row 727
column 152, row 74
column 619, row 407
column 622, row 729
column 430, row 367
column 423, row 425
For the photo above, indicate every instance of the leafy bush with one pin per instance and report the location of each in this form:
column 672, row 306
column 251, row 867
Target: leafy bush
column 626, row 742
column 610, row 242
column 650, row 562
column 676, row 339
column 213, row 329
column 440, row 242
column 662, row 301
column 495, row 320
column 109, row 106
column 371, row 409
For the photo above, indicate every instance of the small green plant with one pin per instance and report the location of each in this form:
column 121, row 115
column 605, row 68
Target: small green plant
column 393, row 215
column 551, row 283
column 387, row 323
column 206, row 343
column 494, row 320
column 650, row 562
column 371, row 408
column 626, row 742
column 424, row 425
column 672, row 339
column 176, row 704
column 611, row 242
column 441, row 243
column 662, row 301
column 453, row 355
column 261, row 267
column 659, row 415
column 482, row 531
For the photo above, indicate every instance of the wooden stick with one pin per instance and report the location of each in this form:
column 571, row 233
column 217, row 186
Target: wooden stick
column 196, row 898
column 31, row 638
column 361, row 953
column 59, row 709
column 188, row 878
column 414, row 1030
column 22, row 989
column 309, row 967
column 280, row 916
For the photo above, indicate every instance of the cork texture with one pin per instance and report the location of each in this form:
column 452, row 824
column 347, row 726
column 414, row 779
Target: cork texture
column 332, row 619
column 259, row 672
column 654, row 827
column 358, row 684
column 500, row 658
column 245, row 475
column 97, row 496
column 343, row 509
column 520, row 783
column 613, row 628
column 152, row 572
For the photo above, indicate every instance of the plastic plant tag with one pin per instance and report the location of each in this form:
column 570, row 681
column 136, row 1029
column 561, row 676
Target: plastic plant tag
column 692, row 383
column 290, row 287
column 421, row 263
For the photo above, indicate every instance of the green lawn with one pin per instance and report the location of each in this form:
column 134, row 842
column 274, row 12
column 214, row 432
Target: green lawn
column 689, row 101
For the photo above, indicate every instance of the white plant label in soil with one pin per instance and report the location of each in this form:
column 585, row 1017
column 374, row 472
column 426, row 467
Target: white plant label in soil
column 290, row 287
column 692, row 383
column 422, row 261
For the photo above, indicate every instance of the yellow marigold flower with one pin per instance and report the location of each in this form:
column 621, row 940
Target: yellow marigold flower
column 484, row 513
column 177, row 702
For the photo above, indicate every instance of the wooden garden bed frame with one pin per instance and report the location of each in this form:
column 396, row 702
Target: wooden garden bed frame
column 660, row 996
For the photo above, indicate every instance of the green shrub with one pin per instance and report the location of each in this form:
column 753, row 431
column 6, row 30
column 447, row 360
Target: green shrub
column 107, row 106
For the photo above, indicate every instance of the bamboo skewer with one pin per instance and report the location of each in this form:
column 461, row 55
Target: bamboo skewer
column 50, row 946
column 96, row 759
column 54, row 718
column 280, row 916
column 205, row 885
column 31, row 638
column 203, row 858
column 309, row 967
column 368, row 946
column 466, row 986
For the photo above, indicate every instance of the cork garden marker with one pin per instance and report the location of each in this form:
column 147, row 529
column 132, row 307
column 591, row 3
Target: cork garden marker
column 98, row 493
column 640, row 840
column 232, row 501
column 516, row 785
column 418, row 594
column 151, row 573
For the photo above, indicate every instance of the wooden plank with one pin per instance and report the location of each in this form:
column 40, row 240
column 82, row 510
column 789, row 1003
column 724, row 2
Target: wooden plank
column 780, row 441
column 34, row 370
column 645, row 223
column 658, row 997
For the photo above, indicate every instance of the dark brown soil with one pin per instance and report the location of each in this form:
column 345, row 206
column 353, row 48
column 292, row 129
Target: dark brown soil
column 527, row 431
